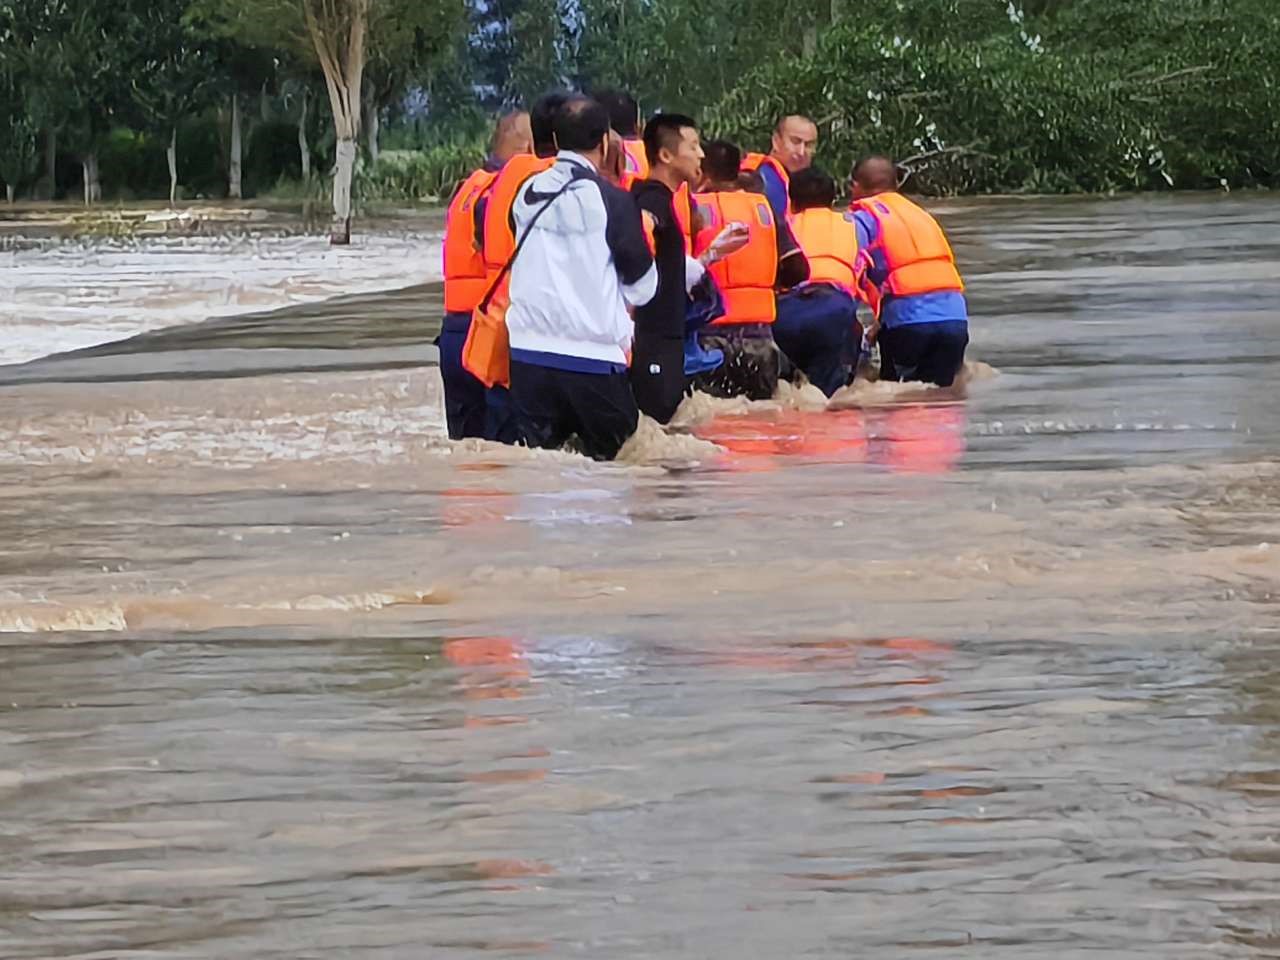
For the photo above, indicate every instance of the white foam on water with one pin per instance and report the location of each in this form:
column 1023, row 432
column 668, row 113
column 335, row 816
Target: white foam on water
column 69, row 296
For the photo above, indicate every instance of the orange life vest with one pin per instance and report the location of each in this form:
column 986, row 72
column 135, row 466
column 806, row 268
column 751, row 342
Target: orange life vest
column 916, row 251
column 465, row 279
column 499, row 237
column 486, row 354
column 683, row 202
column 754, row 161
column 635, row 163
column 746, row 278
column 830, row 244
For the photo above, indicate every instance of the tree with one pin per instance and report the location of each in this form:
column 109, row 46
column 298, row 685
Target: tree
column 173, row 74
column 76, row 70
column 18, row 145
column 338, row 35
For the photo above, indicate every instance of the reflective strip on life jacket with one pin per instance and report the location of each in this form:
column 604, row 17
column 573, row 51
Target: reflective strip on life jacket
column 635, row 163
column 830, row 244
column 746, row 278
column 683, row 203
column 465, row 278
column 754, row 161
column 499, row 237
column 916, row 251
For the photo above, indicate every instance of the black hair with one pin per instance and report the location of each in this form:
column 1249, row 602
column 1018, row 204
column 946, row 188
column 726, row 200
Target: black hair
column 811, row 188
column 580, row 124
column 622, row 107
column 542, row 121
column 663, row 130
column 722, row 162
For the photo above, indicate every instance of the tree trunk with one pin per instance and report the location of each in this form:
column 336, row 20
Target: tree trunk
column 340, row 234
column 342, row 62
column 171, row 154
column 371, row 132
column 51, row 160
column 304, row 148
column 92, row 186
column 234, row 174
column 8, row 192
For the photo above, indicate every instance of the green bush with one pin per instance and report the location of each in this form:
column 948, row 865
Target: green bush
column 419, row 175
column 1113, row 97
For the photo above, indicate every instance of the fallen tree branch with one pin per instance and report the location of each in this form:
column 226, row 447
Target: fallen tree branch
column 964, row 151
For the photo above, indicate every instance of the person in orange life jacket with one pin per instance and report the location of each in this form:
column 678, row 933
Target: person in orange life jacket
column 471, row 410
column 791, row 150
column 747, row 279
column 666, row 351
column 624, row 118
column 817, row 326
column 908, row 277
column 583, row 263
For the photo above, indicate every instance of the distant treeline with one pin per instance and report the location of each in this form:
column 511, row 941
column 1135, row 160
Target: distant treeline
column 140, row 98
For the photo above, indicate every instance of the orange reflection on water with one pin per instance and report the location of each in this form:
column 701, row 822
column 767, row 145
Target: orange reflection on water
column 910, row 438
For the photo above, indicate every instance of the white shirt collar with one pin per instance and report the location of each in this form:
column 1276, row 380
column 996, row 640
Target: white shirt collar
column 578, row 158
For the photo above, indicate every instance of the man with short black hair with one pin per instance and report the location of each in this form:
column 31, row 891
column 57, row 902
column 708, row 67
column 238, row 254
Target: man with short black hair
column 583, row 262
column 624, row 118
column 664, row 353
column 748, row 279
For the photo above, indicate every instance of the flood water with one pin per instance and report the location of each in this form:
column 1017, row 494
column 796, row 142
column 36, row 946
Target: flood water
column 286, row 674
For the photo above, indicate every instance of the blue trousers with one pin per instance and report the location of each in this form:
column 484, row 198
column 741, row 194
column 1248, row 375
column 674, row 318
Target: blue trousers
column 470, row 408
column 816, row 329
column 924, row 352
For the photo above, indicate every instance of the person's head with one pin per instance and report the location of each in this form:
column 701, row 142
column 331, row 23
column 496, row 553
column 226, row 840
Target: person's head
column 582, row 126
column 671, row 141
column 542, row 122
column 624, row 112
column 794, row 140
column 720, row 165
column 812, row 188
column 512, row 135
column 873, row 175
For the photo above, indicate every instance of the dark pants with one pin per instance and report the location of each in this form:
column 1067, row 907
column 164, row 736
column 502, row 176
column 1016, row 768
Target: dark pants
column 815, row 329
column 471, row 409
column 752, row 366
column 657, row 377
column 554, row 405
column 924, row 352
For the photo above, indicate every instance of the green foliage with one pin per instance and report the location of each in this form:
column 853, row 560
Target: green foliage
column 1182, row 94
column 419, row 175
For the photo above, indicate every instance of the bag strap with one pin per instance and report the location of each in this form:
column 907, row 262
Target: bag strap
column 506, row 267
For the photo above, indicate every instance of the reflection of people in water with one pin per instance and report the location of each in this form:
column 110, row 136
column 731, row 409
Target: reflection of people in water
column 912, row 438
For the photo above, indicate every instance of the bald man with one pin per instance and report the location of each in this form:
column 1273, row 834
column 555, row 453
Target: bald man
column 795, row 138
column 471, row 409
column 907, row 274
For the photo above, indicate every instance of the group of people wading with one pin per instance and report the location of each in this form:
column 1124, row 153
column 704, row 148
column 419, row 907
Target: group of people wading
column 594, row 272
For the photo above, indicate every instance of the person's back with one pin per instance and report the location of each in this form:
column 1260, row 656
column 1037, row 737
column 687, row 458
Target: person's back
column 816, row 325
column 747, row 279
column 909, row 279
column 470, row 409
column 582, row 262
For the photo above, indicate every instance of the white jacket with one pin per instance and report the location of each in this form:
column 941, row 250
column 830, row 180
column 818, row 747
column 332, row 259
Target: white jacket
column 584, row 262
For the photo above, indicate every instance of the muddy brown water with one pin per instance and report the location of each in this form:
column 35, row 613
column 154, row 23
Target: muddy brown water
column 285, row 674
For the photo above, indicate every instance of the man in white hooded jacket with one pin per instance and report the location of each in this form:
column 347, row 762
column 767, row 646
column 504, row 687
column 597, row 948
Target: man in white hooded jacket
column 583, row 262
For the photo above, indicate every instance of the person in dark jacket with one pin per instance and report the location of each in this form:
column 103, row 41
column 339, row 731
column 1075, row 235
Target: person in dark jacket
column 659, row 376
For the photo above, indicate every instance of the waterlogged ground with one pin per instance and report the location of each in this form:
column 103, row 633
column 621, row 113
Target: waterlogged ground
column 286, row 674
